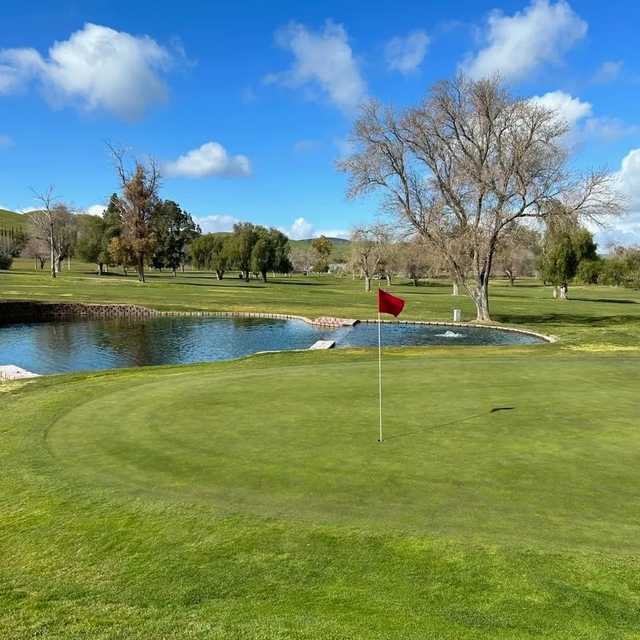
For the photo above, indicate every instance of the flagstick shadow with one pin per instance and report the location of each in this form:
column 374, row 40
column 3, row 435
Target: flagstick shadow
column 449, row 424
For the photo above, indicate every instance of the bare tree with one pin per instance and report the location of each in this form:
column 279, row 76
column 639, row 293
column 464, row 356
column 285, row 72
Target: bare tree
column 465, row 165
column 140, row 186
column 415, row 261
column 38, row 249
column 44, row 224
column 302, row 259
column 370, row 248
column 518, row 252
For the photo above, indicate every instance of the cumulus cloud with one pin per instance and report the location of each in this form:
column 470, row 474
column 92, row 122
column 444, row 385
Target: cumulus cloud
column 582, row 123
column 95, row 209
column 96, row 68
column 626, row 230
column 210, row 159
column 516, row 45
column 405, row 54
column 322, row 60
column 216, row 222
column 566, row 106
column 302, row 229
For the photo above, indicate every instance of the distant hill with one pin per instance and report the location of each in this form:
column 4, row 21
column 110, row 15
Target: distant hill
column 340, row 246
column 12, row 219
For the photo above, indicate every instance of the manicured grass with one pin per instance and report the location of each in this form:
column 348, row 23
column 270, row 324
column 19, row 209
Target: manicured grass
column 594, row 316
column 251, row 500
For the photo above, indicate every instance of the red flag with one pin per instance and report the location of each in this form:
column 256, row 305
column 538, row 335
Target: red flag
column 389, row 304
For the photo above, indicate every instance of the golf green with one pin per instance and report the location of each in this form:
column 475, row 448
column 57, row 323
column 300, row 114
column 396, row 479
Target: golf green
column 251, row 499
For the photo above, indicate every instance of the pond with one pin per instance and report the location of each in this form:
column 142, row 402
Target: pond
column 78, row 345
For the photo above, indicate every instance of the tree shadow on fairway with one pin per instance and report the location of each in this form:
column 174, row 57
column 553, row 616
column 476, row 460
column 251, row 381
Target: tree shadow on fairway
column 451, row 423
column 605, row 300
column 568, row 318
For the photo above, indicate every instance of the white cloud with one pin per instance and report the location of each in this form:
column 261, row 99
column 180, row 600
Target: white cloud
column 582, row 123
column 608, row 71
column 405, row 54
column 322, row 60
column 627, row 229
column 216, row 222
column 302, row 229
column 96, row 68
column 95, row 209
column 299, row 230
column 518, row 44
column 5, row 141
column 210, row 159
column 566, row 106
column 334, row 233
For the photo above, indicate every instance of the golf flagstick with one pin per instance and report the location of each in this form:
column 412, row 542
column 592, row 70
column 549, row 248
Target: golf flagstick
column 380, row 372
column 394, row 306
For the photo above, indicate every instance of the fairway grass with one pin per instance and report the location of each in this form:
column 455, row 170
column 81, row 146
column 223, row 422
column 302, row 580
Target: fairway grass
column 250, row 499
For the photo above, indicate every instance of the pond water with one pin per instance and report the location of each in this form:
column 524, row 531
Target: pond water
column 77, row 345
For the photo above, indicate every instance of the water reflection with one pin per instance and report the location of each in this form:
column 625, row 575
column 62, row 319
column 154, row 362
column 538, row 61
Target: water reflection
column 51, row 347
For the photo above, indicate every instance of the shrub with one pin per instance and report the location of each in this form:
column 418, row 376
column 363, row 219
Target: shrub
column 6, row 260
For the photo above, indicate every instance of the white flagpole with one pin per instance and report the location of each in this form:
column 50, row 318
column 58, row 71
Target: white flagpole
column 380, row 373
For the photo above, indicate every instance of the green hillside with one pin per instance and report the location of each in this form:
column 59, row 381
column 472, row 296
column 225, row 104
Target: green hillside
column 340, row 246
column 12, row 219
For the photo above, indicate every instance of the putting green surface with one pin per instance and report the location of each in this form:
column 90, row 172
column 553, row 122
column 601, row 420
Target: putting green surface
column 251, row 499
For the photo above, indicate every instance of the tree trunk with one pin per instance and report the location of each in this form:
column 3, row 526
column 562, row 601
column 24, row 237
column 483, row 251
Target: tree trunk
column 367, row 283
column 512, row 278
column 100, row 269
column 564, row 291
column 415, row 281
column 388, row 280
column 264, row 276
column 480, row 295
column 52, row 251
column 141, row 269
column 456, row 289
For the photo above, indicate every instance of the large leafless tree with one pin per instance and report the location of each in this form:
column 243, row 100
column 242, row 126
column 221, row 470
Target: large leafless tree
column 370, row 250
column 467, row 163
column 52, row 225
column 139, row 194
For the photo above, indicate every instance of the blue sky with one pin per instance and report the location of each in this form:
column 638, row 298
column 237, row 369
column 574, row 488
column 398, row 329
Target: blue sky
column 247, row 105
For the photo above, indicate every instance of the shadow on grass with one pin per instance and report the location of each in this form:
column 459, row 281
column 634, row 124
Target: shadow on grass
column 569, row 318
column 605, row 300
column 442, row 425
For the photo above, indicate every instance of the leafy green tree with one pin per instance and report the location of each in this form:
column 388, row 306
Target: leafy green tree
column 173, row 230
column 281, row 252
column 245, row 236
column 262, row 256
column 211, row 251
column 91, row 246
column 322, row 247
column 566, row 246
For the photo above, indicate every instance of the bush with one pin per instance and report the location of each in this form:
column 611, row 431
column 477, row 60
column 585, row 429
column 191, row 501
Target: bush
column 6, row 260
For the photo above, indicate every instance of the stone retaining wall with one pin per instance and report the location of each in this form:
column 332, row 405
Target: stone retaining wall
column 27, row 311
